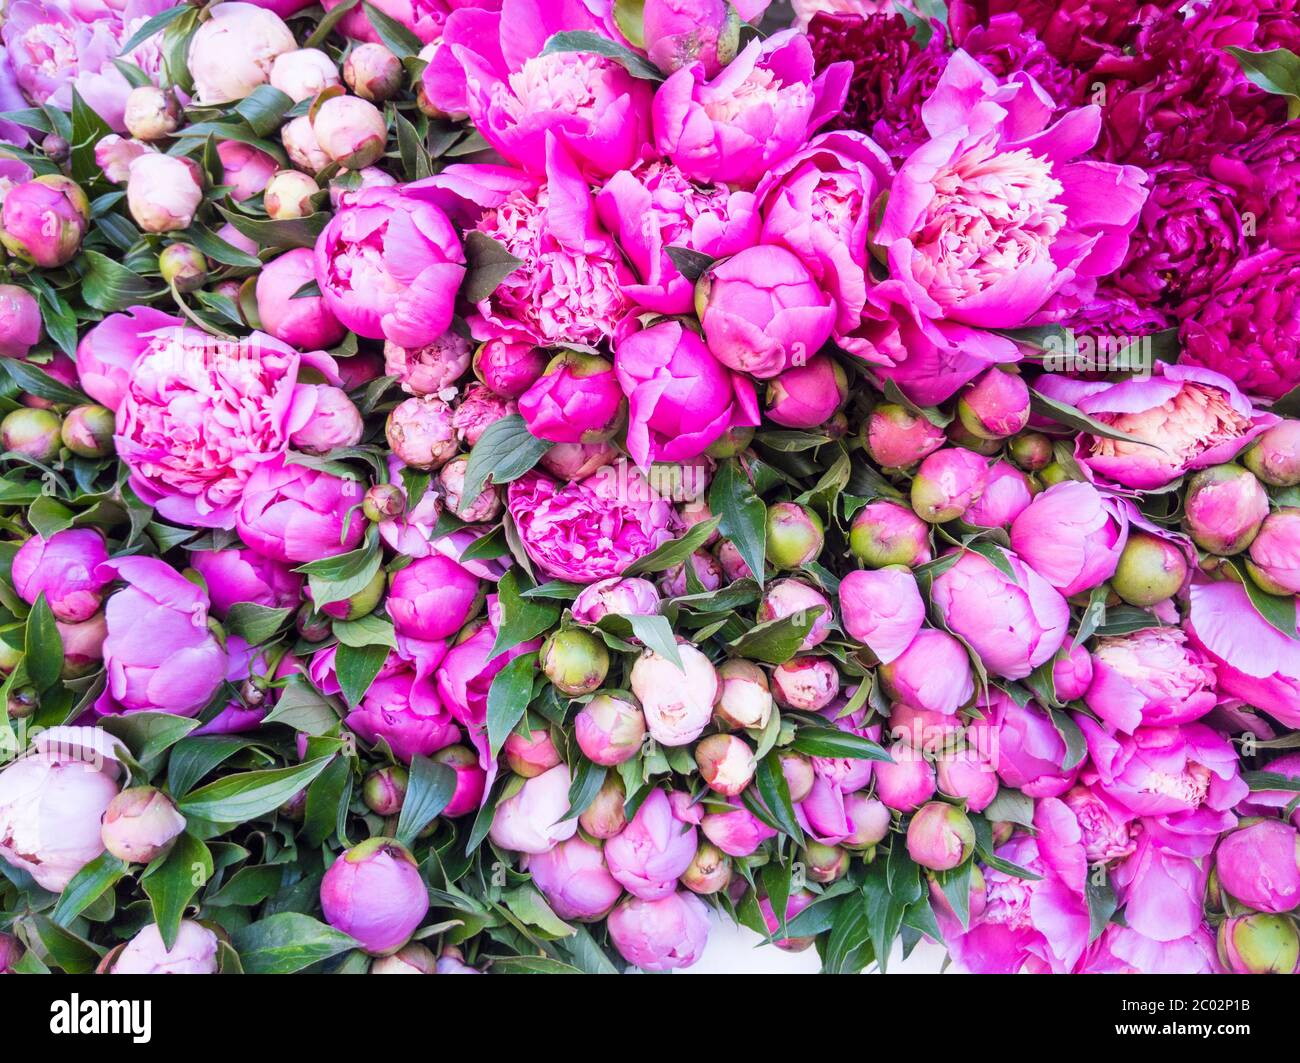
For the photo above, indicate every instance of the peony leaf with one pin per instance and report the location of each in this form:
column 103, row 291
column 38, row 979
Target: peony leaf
column 508, row 698
column 504, row 452
column 597, row 44
column 247, row 795
column 521, row 618
column 676, row 551
column 43, row 646
column 776, row 641
column 173, row 881
column 742, row 517
column 428, row 790
column 1276, row 71
column 487, row 264
column 832, row 742
column 288, row 942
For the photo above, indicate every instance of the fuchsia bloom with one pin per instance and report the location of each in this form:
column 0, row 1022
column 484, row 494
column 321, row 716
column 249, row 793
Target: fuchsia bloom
column 305, row 322
column 160, row 654
column 652, row 850
column 198, row 416
column 1072, row 536
column 654, row 206
column 681, row 398
column 585, row 531
column 389, row 265
column 374, row 892
column 295, row 514
column 577, row 400
column 662, row 934
column 107, row 352
column 1030, row 752
column 64, row 568
column 882, row 609
column 755, row 113
column 1150, row 677
column 575, row 880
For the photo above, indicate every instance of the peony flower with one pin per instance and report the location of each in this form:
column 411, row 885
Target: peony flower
column 737, row 832
column 531, row 821
column 431, row 367
column 432, row 598
column 652, row 850
column 931, row 672
column 751, row 116
column 576, row 400
column 1259, row 865
column 1007, row 494
column 233, row 52
column 303, row 74
column 374, row 892
column 1030, row 753
column 882, row 609
column 163, row 192
column 42, row 221
column 246, row 169
column 305, row 322
column 198, row 415
column 295, row 514
column 662, row 934
column 1072, row 536
column 653, row 207
column 681, row 398
column 1149, row 677
column 1180, row 419
column 389, row 265
column 588, row 530
column 677, row 702
column 575, row 881
column 65, row 568
column 193, row 952
column 238, row 575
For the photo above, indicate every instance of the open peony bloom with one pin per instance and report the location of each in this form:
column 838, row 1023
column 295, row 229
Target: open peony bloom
column 681, row 398
column 654, row 206
column 159, row 653
column 1150, row 677
column 996, row 213
column 389, row 266
column 1253, row 660
column 200, row 414
column 242, row 575
column 107, row 351
column 588, row 530
column 1182, row 418
column 757, row 111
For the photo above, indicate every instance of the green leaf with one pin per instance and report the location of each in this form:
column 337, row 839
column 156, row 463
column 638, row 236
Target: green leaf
column 742, row 517
column 430, row 787
column 147, row 734
column 487, row 264
column 288, row 942
column 1076, row 747
column 54, row 945
column 285, row 235
column 254, row 623
column 218, row 250
column 1270, row 780
column 264, row 109
column 327, row 798
column 832, row 742
column 529, row 907
column 87, row 886
column 193, row 758
column 356, row 668
column 1276, row 71
column 1011, row 806
column 248, row 886
column 1277, row 611
column 690, row 264
column 172, row 883
column 43, row 646
column 656, row 633
column 34, row 380
column 239, row 798
column 400, row 41
column 504, row 452
column 772, row 787
column 587, row 781
column 1101, row 906
column 508, row 698
column 935, row 416
column 369, row 630
column 597, row 44
column 676, row 551
column 110, row 286
column 848, row 948
column 776, row 641
column 521, row 618
column 328, row 21
column 1064, row 413
column 530, row 965
column 154, row 25
column 955, row 885
column 302, row 707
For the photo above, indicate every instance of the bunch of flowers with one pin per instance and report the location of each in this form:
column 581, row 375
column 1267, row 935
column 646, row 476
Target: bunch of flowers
column 502, row 485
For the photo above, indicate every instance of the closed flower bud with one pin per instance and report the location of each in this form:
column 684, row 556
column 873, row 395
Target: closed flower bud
column 610, row 729
column 1274, row 561
column 1224, row 508
column 509, row 368
column 940, row 836
column 574, row 661
column 163, row 192
column 744, row 697
column 530, row 756
column 151, row 113
column 471, row 779
column 334, row 421
column 733, row 441
column 908, row 782
column 825, row 863
column 1275, row 455
column 995, row 406
column 807, row 396
column 792, row 597
column 421, row 433
column 140, row 825
column 897, row 438
column 183, row 266
column 350, row 130
column 411, row 958
column 303, row 74
column 677, row 702
column 605, row 816
column 42, row 221
column 947, row 483
column 384, row 502
column 87, row 431
column 709, row 871
column 806, row 683
column 20, row 321
column 1151, row 568
column 799, row 774
column 795, row 535
column 1032, row 451
column 373, row 72
column 302, row 147
column 485, row 508
column 885, row 533
column 726, row 763
column 869, row 820
column 375, row 893
column 33, row 433
column 385, row 789
column 288, row 195
column 1259, row 944
column 232, row 53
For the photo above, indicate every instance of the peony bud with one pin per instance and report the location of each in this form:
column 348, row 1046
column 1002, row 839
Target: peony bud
column 350, row 130
column 620, row 597
column 335, row 421
column 1224, row 508
column 995, row 406
column 1259, row 865
column 420, row 432
column 1275, row 455
column 1151, row 568
column 32, row 432
column 677, row 702
column 303, row 74
column 958, row 436
column 140, row 825
column 20, row 321
column 1274, row 561
column 411, row 958
column 42, row 221
column 373, row 72
column 882, row 608
column 884, row 533
column 869, row 819
column 825, row 863
column 744, row 699
column 183, row 266
column 576, row 400
column 969, row 777
column 799, row 774
column 529, row 757
column 55, row 148
column 244, row 168
column 383, row 502
column 806, row 683
column 375, row 893
column 609, row 729
column 163, row 192
column 709, row 871
column 1071, row 672
column 908, row 782
column 232, row 53
column 682, row 33
column 1032, row 451
column 302, row 147
column 896, row 438
column 88, row 430
column 605, row 816
column 509, row 368
column 735, row 440
column 288, row 195
column 940, row 836
column 151, row 113
column 83, row 646
column 795, row 535
column 946, row 484
column 726, row 763
column 193, row 952
column 433, row 597
column 385, row 789
column 471, row 779
column 311, row 625
column 574, row 660
column 792, row 597
column 1259, row 944
column 485, row 508
column 806, row 396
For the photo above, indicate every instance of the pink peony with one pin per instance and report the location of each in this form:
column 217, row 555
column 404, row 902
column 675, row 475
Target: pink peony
column 1150, row 677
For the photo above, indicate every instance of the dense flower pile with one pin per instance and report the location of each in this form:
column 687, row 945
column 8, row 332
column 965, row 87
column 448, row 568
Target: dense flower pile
column 499, row 485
